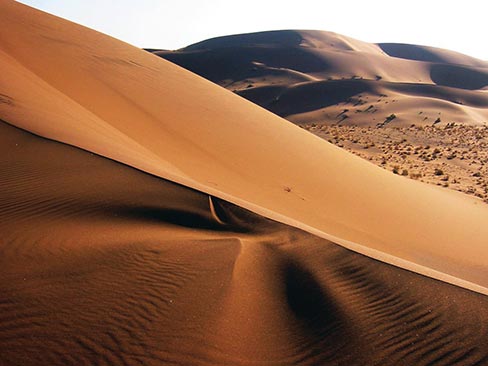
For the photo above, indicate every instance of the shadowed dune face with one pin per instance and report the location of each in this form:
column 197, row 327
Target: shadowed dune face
column 231, row 63
column 410, row 52
column 310, row 96
column 313, row 96
column 94, row 271
column 429, row 54
column 459, row 77
column 302, row 69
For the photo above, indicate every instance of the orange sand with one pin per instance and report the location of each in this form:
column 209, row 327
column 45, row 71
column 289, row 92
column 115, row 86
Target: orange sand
column 104, row 264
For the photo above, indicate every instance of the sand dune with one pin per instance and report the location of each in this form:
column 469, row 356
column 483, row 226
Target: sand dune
column 268, row 68
column 102, row 264
column 326, row 82
column 88, row 90
column 429, row 54
column 151, row 217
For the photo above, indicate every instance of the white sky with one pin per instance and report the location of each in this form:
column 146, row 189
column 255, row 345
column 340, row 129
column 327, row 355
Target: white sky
column 171, row 24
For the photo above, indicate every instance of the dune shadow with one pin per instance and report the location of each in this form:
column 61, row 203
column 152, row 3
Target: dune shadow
column 451, row 94
column 160, row 215
column 459, row 77
column 237, row 63
column 226, row 217
column 310, row 303
column 311, row 96
column 263, row 96
column 410, row 52
column 239, row 219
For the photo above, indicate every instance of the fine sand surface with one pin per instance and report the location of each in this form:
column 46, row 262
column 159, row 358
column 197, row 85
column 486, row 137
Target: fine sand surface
column 89, row 90
column 151, row 217
column 102, row 264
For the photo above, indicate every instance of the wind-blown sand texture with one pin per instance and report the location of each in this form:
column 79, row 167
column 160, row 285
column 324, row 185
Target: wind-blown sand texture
column 123, row 242
column 331, row 84
column 102, row 264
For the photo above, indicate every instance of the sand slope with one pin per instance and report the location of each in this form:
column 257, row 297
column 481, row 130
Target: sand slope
column 101, row 264
column 313, row 76
column 94, row 92
column 337, row 87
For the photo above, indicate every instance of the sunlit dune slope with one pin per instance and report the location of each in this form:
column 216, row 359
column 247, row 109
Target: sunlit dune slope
column 71, row 84
column 313, row 76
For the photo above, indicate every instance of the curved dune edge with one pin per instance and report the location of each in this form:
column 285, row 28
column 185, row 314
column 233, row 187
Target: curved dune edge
column 345, row 208
column 356, row 247
column 118, row 267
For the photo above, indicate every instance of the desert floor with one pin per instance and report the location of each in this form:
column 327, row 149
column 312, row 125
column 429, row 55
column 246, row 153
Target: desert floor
column 451, row 156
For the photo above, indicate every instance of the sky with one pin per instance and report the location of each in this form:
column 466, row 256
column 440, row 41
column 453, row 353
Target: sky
column 172, row 24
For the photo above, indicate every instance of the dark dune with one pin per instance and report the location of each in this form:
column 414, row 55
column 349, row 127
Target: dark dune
column 307, row 96
column 231, row 63
column 441, row 92
column 264, row 96
column 311, row 96
column 410, row 52
column 459, row 77
column 429, row 54
column 90, row 276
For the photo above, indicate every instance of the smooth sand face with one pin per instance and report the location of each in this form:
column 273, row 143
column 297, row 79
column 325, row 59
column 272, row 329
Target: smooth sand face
column 94, row 92
column 103, row 264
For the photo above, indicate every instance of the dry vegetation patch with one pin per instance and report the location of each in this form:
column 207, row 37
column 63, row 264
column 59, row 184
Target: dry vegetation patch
column 451, row 155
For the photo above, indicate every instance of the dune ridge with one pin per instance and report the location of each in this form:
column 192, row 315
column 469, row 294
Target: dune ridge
column 335, row 72
column 226, row 149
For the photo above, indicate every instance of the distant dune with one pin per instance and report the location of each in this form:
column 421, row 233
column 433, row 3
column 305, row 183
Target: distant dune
column 312, row 76
column 327, row 83
column 150, row 217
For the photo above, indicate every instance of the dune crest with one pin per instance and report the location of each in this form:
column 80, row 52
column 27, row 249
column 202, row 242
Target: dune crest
column 311, row 76
column 91, row 91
